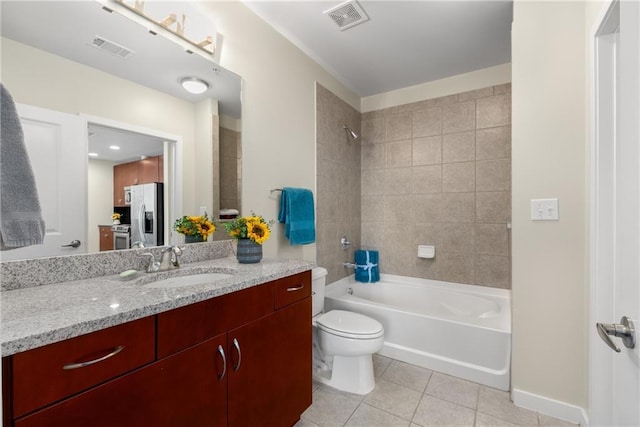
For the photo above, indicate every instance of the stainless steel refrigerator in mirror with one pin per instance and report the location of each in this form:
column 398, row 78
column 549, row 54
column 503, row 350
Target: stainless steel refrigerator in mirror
column 147, row 216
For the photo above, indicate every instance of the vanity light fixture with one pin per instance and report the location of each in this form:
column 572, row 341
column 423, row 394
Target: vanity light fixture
column 194, row 85
column 114, row 147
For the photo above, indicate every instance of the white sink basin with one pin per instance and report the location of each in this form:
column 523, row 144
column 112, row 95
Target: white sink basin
column 191, row 280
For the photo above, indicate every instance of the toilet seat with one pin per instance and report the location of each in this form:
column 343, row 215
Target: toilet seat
column 349, row 325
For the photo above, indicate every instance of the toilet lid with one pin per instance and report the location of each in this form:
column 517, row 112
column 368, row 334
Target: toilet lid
column 347, row 323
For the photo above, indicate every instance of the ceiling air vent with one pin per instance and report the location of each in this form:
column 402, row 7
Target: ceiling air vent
column 347, row 14
column 111, row 47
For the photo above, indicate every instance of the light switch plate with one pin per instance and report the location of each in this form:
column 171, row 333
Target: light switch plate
column 544, row 210
column 203, row 210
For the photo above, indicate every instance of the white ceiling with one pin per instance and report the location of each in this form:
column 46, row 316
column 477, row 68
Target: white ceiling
column 404, row 43
column 131, row 145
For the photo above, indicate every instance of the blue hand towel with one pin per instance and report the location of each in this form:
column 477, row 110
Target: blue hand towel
column 367, row 266
column 296, row 212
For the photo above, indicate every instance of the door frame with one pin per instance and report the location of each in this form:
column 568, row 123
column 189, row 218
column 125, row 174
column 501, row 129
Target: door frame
column 173, row 171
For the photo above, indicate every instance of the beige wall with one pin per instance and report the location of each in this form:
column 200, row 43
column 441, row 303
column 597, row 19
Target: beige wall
column 278, row 113
column 438, row 172
column 550, row 131
column 100, row 190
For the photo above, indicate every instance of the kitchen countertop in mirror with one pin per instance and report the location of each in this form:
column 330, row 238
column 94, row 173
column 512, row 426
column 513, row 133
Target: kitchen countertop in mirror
column 37, row 316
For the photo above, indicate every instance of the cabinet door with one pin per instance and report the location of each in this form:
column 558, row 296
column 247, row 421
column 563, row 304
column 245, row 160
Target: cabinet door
column 106, row 238
column 182, row 390
column 123, row 176
column 270, row 374
column 148, row 170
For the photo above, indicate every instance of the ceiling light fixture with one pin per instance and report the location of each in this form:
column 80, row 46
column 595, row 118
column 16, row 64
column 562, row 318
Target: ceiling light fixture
column 114, row 147
column 194, row 85
column 93, row 154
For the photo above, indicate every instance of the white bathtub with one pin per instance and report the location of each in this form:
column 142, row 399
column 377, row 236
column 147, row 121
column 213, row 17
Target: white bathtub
column 460, row 330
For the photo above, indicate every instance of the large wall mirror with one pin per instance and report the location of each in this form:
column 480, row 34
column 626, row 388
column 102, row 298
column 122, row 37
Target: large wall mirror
column 120, row 85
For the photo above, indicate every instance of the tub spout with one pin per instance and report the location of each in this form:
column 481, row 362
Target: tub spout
column 348, row 265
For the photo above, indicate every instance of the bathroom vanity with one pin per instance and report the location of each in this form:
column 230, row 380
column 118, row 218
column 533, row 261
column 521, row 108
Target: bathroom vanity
column 232, row 353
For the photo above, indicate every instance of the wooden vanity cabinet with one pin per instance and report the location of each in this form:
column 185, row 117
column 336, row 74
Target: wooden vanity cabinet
column 268, row 347
column 243, row 359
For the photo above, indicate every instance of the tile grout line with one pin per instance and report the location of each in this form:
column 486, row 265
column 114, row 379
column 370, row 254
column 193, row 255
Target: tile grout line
column 475, row 413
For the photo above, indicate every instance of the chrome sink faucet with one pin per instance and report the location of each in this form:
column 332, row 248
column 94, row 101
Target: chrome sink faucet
column 169, row 258
column 153, row 265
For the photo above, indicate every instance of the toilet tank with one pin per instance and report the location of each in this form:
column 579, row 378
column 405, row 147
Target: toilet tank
column 318, row 281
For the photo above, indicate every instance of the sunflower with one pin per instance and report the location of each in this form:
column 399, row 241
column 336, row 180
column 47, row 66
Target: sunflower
column 253, row 227
column 195, row 226
column 258, row 231
column 205, row 228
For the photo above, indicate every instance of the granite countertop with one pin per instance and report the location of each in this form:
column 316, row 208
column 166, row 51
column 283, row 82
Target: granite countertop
column 36, row 316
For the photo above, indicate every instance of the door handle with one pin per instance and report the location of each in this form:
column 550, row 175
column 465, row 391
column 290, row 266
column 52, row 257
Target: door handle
column 236, row 344
column 224, row 362
column 624, row 330
column 73, row 244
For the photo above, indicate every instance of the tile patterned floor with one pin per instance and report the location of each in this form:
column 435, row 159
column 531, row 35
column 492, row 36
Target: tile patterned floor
column 410, row 396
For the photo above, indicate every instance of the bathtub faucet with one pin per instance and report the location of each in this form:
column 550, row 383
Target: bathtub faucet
column 348, row 265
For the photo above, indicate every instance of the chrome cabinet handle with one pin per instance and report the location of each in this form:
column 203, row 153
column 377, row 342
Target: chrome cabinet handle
column 624, row 330
column 72, row 244
column 237, row 346
column 296, row 288
column 115, row 351
column 224, row 362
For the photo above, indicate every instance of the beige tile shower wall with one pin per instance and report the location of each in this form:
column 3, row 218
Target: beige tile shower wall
column 338, row 182
column 438, row 172
column 230, row 172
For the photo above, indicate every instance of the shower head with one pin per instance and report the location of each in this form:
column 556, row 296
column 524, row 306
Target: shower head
column 350, row 131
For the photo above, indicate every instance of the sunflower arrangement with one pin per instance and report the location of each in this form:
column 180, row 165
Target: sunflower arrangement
column 116, row 216
column 253, row 227
column 195, row 226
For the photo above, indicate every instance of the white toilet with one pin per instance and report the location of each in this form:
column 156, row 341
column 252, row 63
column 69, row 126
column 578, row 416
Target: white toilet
column 343, row 343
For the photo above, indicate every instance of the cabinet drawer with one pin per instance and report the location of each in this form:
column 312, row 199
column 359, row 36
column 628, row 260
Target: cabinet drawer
column 291, row 289
column 190, row 325
column 47, row 374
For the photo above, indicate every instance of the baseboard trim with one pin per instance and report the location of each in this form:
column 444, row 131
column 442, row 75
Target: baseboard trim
column 551, row 407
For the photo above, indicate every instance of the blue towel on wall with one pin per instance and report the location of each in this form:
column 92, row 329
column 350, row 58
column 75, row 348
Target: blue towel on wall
column 367, row 266
column 297, row 214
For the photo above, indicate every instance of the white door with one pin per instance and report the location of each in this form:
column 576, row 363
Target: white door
column 57, row 147
column 615, row 233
